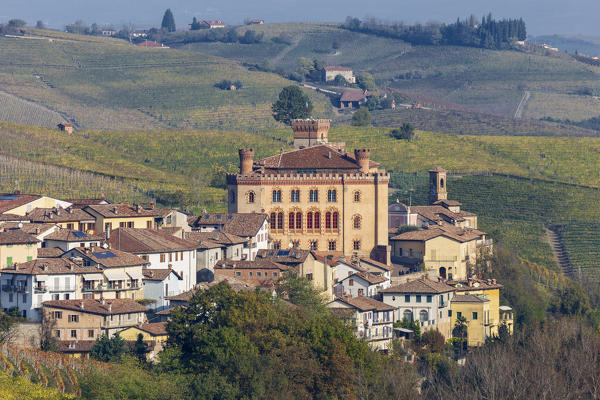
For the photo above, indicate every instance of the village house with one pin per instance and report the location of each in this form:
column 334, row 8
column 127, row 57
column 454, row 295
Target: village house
column 211, row 24
column 371, row 320
column 16, row 246
column 76, row 324
column 318, row 197
column 39, row 231
column 155, row 332
column 214, row 246
column 362, row 284
column 476, row 311
column 121, row 273
column 81, row 203
column 20, row 204
column 65, row 127
column 25, row 286
column 67, row 239
column 111, row 216
column 263, row 273
column 425, row 301
column 330, row 72
column 159, row 250
column 69, row 218
column 159, row 284
column 169, row 218
column 252, row 226
column 256, row 22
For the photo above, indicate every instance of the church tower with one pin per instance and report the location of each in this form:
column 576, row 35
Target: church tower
column 310, row 132
column 437, row 185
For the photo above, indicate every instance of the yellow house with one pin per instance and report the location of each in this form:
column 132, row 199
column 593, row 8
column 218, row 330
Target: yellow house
column 16, row 246
column 20, row 204
column 69, row 218
column 111, row 216
column 486, row 288
column 153, row 332
column 476, row 310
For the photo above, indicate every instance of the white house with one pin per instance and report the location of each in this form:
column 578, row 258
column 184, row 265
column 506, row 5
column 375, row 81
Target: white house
column 67, row 239
column 371, row 319
column 362, row 284
column 27, row 285
column 422, row 300
column 159, row 284
column 159, row 249
column 215, row 246
column 21, row 204
column 253, row 227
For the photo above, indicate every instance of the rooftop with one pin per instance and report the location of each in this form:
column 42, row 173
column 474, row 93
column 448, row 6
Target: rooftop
column 422, row 285
column 365, row 303
column 53, row 215
column 17, row 236
column 101, row 307
column 291, row 256
column 239, row 224
column 31, row 228
column 246, row 264
column 49, row 252
column 367, row 276
column 147, row 241
column 49, row 266
column 158, row 274
column 109, row 257
column 155, row 328
column 214, row 237
column 469, row 298
column 8, row 201
column 69, row 235
column 122, row 210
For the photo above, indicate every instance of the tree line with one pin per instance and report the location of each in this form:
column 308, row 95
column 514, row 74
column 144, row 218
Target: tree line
column 487, row 33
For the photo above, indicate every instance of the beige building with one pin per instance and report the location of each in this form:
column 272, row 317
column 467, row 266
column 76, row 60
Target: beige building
column 17, row 246
column 476, row 311
column 70, row 218
column 318, row 197
column 331, row 71
column 20, row 204
column 111, row 216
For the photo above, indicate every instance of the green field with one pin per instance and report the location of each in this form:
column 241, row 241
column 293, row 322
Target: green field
column 110, row 84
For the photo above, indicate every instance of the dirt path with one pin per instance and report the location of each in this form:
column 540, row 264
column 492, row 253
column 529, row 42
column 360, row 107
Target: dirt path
column 560, row 253
column 285, row 51
column 522, row 104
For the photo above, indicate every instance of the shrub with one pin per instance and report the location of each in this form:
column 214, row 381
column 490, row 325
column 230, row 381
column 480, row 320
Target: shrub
column 362, row 117
column 406, row 132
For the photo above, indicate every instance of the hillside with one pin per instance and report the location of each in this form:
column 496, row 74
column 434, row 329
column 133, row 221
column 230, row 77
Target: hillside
column 102, row 83
column 478, row 79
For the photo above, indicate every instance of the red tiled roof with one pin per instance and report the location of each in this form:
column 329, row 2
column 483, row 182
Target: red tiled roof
column 110, row 257
column 122, row 210
column 155, row 328
column 53, row 215
column 367, row 276
column 288, row 257
column 49, row 266
column 365, row 303
column 158, row 274
column 93, row 306
column 16, row 236
column 422, row 285
column 32, row 228
column 239, row 224
column 69, row 235
column 140, row 241
column 80, row 203
column 9, row 201
column 353, row 95
column 49, row 252
column 246, row 264
column 315, row 157
column 376, row 264
column 214, row 237
column 336, row 68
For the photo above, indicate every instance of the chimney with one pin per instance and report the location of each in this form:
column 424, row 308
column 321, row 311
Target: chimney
column 138, row 208
column 109, row 307
column 362, row 158
column 152, row 205
column 107, row 234
column 82, row 305
column 102, row 301
column 246, row 161
column 37, row 231
column 115, row 211
column 57, row 211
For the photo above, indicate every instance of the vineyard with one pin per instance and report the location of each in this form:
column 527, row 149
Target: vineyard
column 582, row 242
column 13, row 109
column 475, row 123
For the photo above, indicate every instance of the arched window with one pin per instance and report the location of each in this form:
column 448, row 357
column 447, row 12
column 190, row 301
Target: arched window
column 280, row 220
column 356, row 244
column 424, row 316
column 331, row 196
column 291, row 221
column 356, row 221
column 334, row 221
column 313, row 195
column 273, row 221
column 328, row 220
column 277, row 244
column 250, row 197
column 442, row 183
column 276, row 196
column 295, row 196
column 408, row 316
column 356, row 196
column 309, row 220
column 317, row 223
column 298, row 220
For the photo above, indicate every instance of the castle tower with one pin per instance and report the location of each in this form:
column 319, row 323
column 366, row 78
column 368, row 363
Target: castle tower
column 310, row 132
column 246, row 161
column 362, row 158
column 437, row 185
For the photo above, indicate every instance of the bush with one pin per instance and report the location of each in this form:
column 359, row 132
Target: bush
column 406, row 132
column 225, row 84
column 362, row 117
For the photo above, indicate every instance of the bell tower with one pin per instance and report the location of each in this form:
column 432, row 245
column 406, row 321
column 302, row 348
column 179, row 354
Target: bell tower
column 310, row 132
column 437, row 185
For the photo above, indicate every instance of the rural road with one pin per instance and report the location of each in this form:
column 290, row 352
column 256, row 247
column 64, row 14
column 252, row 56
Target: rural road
column 521, row 106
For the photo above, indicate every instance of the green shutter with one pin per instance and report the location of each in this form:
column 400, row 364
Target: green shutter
column 29, row 258
column 9, row 261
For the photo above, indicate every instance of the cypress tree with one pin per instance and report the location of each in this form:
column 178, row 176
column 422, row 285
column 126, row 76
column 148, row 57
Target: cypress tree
column 168, row 21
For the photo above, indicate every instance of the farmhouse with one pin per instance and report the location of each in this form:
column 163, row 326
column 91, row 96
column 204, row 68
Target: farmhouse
column 330, row 73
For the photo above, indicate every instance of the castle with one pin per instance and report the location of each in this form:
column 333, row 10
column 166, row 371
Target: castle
column 317, row 196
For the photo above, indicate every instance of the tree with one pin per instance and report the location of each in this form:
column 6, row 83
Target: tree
column 168, row 21
column 434, row 340
column 362, row 117
column 16, row 23
column 373, row 103
column 40, row 24
column 140, row 349
column 299, row 291
column 365, row 81
column 292, row 104
column 108, row 349
column 339, row 80
column 47, row 338
column 406, row 132
column 7, row 327
column 460, row 331
column 195, row 26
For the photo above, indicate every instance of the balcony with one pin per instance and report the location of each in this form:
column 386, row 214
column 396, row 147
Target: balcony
column 40, row 289
column 485, row 243
column 106, row 288
column 63, row 289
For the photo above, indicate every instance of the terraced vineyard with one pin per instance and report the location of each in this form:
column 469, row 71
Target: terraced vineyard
column 13, row 109
column 582, row 242
column 475, row 123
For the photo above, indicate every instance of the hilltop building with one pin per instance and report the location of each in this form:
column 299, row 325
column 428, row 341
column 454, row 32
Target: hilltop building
column 330, row 72
column 317, row 196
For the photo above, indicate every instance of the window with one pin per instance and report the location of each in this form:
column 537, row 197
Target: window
column 55, row 297
column 238, row 273
column 356, row 245
column 356, row 196
column 149, row 224
column 309, row 277
column 429, row 298
column 259, row 273
column 57, row 314
column 162, row 257
column 250, row 197
column 298, row 220
column 90, row 333
column 408, row 315
column 275, row 274
column 57, row 333
column 449, row 313
column 107, row 226
column 474, row 315
column 350, row 282
column 291, row 221
column 331, row 245
column 331, row 195
column 9, row 261
column 250, row 273
column 71, row 226
column 280, row 221
column 277, row 245
column 314, row 245
column 328, row 220
column 356, row 221
column 309, row 220
column 418, row 298
column 458, row 314
column 276, row 196
column 170, row 257
column 295, row 196
column 122, row 224
column 317, row 220
column 334, row 220
column 74, row 333
column 313, row 196
column 73, row 318
column 407, row 298
column 130, row 224
column 295, row 244
column 424, row 316
column 361, row 292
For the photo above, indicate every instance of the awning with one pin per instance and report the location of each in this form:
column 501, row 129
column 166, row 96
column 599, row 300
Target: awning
column 41, row 278
column 93, row 277
column 135, row 274
column 115, row 275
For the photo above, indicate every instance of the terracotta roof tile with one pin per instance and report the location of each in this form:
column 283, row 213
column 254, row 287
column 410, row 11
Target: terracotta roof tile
column 140, row 241
column 366, row 303
column 27, row 227
column 49, row 266
column 49, row 252
column 155, row 328
column 239, row 224
column 17, row 236
column 93, row 306
column 121, row 210
column 469, row 298
column 54, row 215
column 312, row 158
column 215, row 237
column 158, row 274
column 290, row 257
column 9, row 201
column 367, row 276
column 376, row 263
column 110, row 257
column 246, row 264
column 69, row 235
column 422, row 285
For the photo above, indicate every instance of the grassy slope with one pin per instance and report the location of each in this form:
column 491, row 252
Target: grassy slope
column 110, row 84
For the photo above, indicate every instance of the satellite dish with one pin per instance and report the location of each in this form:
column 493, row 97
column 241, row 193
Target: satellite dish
column 105, row 245
column 20, row 225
